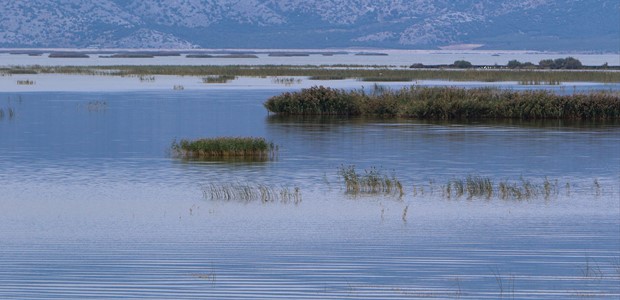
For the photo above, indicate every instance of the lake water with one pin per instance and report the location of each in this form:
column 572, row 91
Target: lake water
column 93, row 206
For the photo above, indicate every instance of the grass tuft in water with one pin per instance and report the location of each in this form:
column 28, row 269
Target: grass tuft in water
column 225, row 147
column 218, row 78
column 25, row 82
column 10, row 113
column 372, row 182
column 286, row 81
column 252, row 192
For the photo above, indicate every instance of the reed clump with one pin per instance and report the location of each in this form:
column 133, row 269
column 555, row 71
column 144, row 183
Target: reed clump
column 246, row 192
column 10, row 113
column 483, row 187
column 472, row 186
column 146, row 78
column 316, row 101
column 372, row 182
column 447, row 103
column 218, row 78
column 286, row 81
column 225, row 147
column 97, row 105
column 25, row 82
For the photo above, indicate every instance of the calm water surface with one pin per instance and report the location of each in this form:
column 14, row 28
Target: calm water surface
column 93, row 206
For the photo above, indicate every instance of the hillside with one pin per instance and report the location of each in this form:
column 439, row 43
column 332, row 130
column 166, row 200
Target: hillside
column 559, row 25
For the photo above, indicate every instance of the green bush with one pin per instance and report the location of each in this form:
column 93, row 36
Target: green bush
column 462, row 64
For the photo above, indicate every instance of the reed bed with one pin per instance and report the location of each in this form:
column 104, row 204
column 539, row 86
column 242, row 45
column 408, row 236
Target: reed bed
column 246, row 192
column 447, row 103
column 377, row 73
column 371, row 182
column 225, row 147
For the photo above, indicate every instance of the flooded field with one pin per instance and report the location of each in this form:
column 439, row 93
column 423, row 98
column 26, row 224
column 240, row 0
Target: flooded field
column 93, row 204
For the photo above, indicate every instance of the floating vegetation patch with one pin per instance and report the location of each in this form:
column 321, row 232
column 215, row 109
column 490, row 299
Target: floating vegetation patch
column 372, row 181
column 246, row 192
column 218, row 78
column 447, row 103
column 225, row 147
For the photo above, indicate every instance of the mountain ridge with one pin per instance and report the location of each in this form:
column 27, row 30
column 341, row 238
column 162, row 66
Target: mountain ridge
column 573, row 25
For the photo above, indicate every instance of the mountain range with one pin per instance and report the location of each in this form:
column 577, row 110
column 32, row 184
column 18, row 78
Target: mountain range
column 553, row 25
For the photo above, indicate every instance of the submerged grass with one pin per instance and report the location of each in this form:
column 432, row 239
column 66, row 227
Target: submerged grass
column 252, row 192
column 225, row 147
column 447, row 103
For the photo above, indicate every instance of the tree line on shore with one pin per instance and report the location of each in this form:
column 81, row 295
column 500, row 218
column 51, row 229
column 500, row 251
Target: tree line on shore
column 568, row 63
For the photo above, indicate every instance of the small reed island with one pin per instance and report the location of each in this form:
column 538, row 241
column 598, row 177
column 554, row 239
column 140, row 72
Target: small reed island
column 225, row 147
column 447, row 103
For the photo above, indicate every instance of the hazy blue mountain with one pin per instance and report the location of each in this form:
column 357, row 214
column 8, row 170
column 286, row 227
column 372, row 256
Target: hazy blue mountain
column 581, row 25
